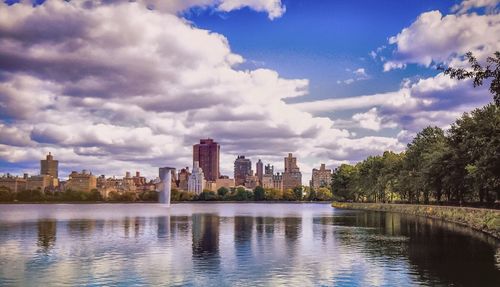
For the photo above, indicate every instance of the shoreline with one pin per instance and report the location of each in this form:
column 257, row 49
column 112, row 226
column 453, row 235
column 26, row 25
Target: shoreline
column 154, row 202
column 480, row 219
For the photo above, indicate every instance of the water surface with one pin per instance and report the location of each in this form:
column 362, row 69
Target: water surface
column 237, row 245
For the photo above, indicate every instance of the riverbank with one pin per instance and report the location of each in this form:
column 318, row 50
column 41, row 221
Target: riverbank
column 485, row 220
column 155, row 202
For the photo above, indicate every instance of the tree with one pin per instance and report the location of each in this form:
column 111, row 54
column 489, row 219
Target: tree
column 479, row 74
column 324, row 194
column 222, row 191
column 289, row 195
column 259, row 193
column 273, row 194
column 207, row 195
column 6, row 195
column 94, row 195
column 298, row 192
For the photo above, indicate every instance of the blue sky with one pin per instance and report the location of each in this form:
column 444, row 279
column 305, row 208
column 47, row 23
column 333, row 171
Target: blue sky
column 115, row 85
column 319, row 40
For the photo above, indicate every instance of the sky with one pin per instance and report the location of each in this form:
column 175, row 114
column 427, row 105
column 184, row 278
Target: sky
column 115, row 85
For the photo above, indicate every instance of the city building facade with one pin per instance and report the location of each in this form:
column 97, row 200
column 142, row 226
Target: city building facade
column 242, row 169
column 49, row 166
column 196, row 181
column 83, row 181
column 292, row 177
column 321, row 177
column 207, row 154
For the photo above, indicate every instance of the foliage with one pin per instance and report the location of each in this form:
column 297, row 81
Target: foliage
column 222, row 191
column 259, row 193
column 207, row 195
column 479, row 74
column 460, row 166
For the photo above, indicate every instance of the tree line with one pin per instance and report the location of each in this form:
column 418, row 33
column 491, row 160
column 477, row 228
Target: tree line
column 457, row 166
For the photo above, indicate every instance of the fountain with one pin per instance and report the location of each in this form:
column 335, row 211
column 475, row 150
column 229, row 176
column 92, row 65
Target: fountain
column 166, row 180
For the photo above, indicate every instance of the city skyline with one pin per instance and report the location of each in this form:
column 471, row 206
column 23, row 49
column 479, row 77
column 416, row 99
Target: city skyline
column 264, row 78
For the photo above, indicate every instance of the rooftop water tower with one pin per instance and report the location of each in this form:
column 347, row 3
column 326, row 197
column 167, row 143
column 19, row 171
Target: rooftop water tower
column 166, row 180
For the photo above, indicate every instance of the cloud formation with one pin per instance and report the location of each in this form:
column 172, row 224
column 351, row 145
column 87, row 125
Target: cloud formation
column 134, row 88
column 434, row 38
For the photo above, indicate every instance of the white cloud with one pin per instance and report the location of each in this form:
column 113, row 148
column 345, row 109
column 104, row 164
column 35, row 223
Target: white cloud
column 359, row 74
column 466, row 5
column 118, row 87
column 274, row 8
column 372, row 120
column 437, row 38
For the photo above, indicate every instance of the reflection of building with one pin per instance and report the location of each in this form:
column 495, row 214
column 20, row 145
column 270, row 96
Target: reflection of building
column 49, row 166
column 292, row 176
column 46, row 234
column 196, row 181
column 321, row 177
column 206, row 153
column 205, row 236
column 242, row 169
column 83, row 181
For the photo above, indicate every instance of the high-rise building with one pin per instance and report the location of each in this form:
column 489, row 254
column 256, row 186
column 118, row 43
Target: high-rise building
column 292, row 177
column 196, row 182
column 269, row 169
column 242, row 169
column 49, row 166
column 321, row 177
column 182, row 182
column 259, row 167
column 207, row 154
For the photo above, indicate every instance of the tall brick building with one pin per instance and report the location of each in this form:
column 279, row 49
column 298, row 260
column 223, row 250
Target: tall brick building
column 49, row 166
column 207, row 154
column 321, row 177
column 292, row 177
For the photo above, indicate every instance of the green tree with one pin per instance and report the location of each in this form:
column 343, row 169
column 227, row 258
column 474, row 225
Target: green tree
column 259, row 193
column 207, row 195
column 222, row 191
column 479, row 74
column 324, row 194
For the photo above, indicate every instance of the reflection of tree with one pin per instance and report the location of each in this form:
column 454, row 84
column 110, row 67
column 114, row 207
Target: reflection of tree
column 46, row 234
column 446, row 251
column 442, row 253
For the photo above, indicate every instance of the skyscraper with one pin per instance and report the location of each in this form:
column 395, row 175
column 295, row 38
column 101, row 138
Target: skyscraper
column 242, row 169
column 49, row 166
column 292, row 177
column 260, row 171
column 207, row 154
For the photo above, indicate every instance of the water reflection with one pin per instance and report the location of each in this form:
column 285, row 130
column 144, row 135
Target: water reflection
column 46, row 234
column 247, row 245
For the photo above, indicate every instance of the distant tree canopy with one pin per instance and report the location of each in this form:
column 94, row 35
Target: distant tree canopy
column 460, row 166
column 479, row 73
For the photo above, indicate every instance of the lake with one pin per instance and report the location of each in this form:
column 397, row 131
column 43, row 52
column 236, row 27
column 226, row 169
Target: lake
column 231, row 244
